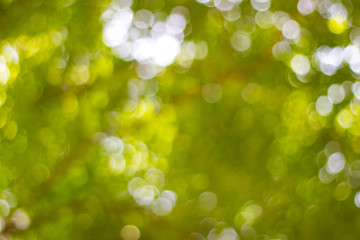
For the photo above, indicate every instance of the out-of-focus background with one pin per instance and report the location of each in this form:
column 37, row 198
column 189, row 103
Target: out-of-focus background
column 179, row 119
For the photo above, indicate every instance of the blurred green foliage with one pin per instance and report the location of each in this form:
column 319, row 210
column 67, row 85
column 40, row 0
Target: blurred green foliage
column 178, row 119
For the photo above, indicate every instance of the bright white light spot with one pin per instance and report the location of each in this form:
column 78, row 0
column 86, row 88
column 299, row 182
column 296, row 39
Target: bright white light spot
column 145, row 195
column 329, row 59
column 165, row 50
column 135, row 183
column 162, row 206
column 352, row 54
column 260, row 5
column 146, row 70
column 305, row 7
column 357, row 199
column 10, row 54
column 138, row 37
column 159, row 28
column 228, row 234
column 225, row 234
column 336, row 93
column 291, row 29
column 4, row 71
column 300, row 64
column 170, row 195
column 113, row 146
column 336, row 163
column 116, row 30
column 223, row 5
column 355, row 67
column 328, row 69
column 240, row 42
column 356, row 89
column 203, row 1
column 175, row 24
column 335, row 56
column 338, row 10
column 324, row 106
column 142, row 49
column 21, row 219
column 123, row 51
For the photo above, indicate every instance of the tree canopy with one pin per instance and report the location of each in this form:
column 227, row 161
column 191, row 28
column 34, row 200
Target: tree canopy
column 179, row 119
